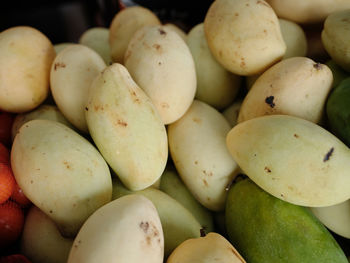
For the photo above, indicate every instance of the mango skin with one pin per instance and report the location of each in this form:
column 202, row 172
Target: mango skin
column 293, row 159
column 265, row 229
column 338, row 111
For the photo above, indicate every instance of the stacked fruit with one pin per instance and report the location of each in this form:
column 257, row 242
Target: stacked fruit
column 146, row 144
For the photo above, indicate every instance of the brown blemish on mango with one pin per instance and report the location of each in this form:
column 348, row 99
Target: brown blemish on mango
column 267, row 169
column 59, row 65
column 122, row 123
column 196, row 120
column 205, row 183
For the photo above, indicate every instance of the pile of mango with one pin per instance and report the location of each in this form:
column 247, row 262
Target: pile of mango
column 143, row 143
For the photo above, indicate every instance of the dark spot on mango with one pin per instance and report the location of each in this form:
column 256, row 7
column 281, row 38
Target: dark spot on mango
column 144, row 226
column 196, row 120
column 202, row 232
column 205, row 182
column 267, row 169
column 161, row 31
column 122, row 123
column 86, row 108
column 156, row 46
column 296, row 135
column 317, row 66
column 269, row 101
column 59, row 65
column 328, row 155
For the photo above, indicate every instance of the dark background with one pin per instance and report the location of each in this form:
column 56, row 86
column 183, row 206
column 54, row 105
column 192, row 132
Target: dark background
column 65, row 21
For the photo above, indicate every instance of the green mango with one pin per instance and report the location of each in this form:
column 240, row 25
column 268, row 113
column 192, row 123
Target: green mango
column 339, row 74
column 172, row 185
column 265, row 229
column 338, row 111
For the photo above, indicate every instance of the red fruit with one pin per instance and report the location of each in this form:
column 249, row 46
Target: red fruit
column 4, row 154
column 7, row 182
column 14, row 259
column 19, row 197
column 11, row 223
column 6, row 120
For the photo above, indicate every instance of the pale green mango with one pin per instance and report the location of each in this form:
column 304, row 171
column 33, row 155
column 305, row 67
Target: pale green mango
column 178, row 223
column 127, row 229
column 61, row 172
column 293, row 159
column 172, row 185
column 126, row 128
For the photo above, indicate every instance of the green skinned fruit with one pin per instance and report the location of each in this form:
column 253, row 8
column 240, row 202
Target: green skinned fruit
column 338, row 111
column 338, row 73
column 172, row 185
column 177, row 222
column 265, row 229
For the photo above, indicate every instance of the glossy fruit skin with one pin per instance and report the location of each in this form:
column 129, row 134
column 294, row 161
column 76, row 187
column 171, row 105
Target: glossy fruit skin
column 6, row 120
column 19, row 197
column 338, row 111
column 265, row 229
column 7, row 182
column 11, row 223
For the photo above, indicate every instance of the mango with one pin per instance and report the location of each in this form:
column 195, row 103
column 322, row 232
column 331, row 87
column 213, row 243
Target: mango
column 198, row 148
column 295, row 86
column 126, row 128
column 208, row 249
column 338, row 111
column 238, row 42
column 124, row 25
column 41, row 240
column 72, row 73
column 172, row 185
column 265, row 229
column 26, row 55
column 178, row 223
column 161, row 63
column 127, row 229
column 61, row 172
column 293, row 159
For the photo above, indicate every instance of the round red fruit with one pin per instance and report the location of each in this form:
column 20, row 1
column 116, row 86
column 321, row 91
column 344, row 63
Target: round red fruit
column 19, row 197
column 11, row 223
column 7, row 182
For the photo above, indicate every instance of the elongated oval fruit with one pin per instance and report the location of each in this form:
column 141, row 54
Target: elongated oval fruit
column 26, row 56
column 240, row 43
column 125, row 230
column 215, row 85
column 208, row 249
column 295, row 86
column 294, row 37
column 178, row 223
column 265, row 229
column 161, row 64
column 126, row 128
column 311, row 11
column 198, row 148
column 124, row 25
column 41, row 241
column 60, row 172
column 97, row 38
column 292, row 159
column 335, row 37
column 335, row 217
column 72, row 73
